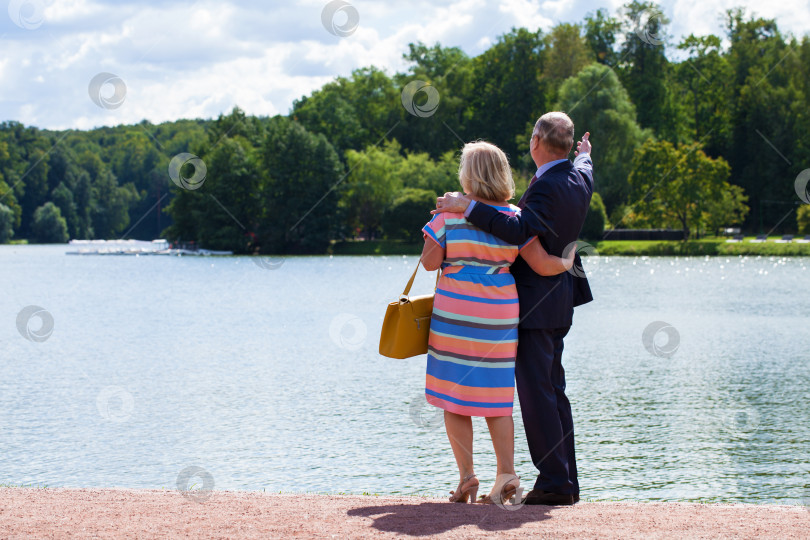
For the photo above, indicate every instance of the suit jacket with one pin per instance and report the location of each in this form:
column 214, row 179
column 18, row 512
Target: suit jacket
column 554, row 209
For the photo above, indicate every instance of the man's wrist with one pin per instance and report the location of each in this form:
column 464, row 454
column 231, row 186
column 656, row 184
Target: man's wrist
column 470, row 206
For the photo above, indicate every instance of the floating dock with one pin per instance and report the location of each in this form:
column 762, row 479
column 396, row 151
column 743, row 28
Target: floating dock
column 136, row 247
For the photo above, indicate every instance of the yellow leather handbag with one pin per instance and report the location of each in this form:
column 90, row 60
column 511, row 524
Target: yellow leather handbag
column 407, row 323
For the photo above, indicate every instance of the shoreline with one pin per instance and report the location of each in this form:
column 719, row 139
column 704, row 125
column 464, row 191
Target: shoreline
column 110, row 513
column 713, row 247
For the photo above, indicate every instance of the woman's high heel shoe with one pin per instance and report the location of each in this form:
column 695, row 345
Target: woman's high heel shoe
column 504, row 493
column 467, row 490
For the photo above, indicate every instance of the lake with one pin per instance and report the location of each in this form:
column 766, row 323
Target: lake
column 267, row 377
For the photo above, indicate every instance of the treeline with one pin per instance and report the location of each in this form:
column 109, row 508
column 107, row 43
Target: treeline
column 694, row 135
column 94, row 184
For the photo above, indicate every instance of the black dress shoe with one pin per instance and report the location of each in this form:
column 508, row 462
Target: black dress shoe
column 548, row 498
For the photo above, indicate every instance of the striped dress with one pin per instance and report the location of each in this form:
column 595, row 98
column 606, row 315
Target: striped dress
column 473, row 330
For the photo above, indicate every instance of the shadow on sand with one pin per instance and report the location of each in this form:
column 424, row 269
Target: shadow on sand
column 430, row 518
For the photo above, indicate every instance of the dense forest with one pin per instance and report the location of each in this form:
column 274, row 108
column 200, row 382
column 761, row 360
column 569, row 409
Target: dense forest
column 695, row 135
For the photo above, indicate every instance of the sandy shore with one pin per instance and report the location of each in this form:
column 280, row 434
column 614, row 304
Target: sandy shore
column 107, row 513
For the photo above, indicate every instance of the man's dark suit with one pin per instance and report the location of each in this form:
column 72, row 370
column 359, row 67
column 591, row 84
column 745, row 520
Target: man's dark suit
column 554, row 209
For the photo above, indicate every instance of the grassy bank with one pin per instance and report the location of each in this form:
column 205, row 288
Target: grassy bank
column 704, row 246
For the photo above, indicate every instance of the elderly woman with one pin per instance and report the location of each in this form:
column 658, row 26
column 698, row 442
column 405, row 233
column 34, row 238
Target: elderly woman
column 473, row 329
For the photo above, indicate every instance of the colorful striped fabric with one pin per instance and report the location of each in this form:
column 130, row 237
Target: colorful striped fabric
column 473, row 330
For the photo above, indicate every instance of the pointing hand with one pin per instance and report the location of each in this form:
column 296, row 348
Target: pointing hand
column 584, row 146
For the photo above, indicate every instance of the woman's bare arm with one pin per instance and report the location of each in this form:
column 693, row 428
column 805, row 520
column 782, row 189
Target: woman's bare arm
column 544, row 264
column 432, row 255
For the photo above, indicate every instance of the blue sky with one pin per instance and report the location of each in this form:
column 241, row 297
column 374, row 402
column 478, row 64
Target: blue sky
column 186, row 59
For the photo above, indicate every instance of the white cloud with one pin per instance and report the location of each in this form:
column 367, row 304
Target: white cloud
column 698, row 17
column 184, row 59
column 67, row 11
column 529, row 13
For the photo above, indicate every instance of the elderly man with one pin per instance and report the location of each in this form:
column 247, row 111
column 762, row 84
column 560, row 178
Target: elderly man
column 553, row 208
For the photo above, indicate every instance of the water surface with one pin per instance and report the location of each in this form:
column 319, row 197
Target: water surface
column 268, row 377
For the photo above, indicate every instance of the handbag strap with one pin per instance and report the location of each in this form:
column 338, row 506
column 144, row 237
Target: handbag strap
column 413, row 276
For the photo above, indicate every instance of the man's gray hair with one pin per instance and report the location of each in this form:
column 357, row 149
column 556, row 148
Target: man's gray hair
column 556, row 131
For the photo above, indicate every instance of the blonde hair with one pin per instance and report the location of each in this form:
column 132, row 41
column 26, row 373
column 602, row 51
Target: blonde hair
column 484, row 172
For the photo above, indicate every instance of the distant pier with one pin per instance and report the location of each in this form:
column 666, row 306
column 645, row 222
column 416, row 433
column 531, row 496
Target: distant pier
column 137, row 247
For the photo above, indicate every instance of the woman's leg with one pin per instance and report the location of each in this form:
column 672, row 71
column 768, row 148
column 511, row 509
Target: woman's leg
column 502, row 431
column 460, row 434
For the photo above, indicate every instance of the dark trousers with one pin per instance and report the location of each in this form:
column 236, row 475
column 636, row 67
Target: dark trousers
column 540, row 380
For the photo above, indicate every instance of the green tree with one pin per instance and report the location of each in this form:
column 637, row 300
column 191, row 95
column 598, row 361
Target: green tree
column 408, row 213
column 601, row 35
column 235, row 124
column 448, row 70
column 62, row 197
column 225, row 208
column 644, row 67
column 6, row 224
column 223, row 211
column 299, row 196
column 509, row 94
column 728, row 209
column 565, row 54
column 352, row 112
column 136, row 161
column 232, row 195
column 110, row 205
column 82, row 196
column 596, row 102
column 371, row 186
column 595, row 220
column 769, row 114
column 803, row 219
column 417, row 170
column 59, row 166
column 8, row 199
column 704, row 75
column 135, row 158
column 33, row 183
column 49, row 226
column 522, row 180
column 331, row 112
column 673, row 184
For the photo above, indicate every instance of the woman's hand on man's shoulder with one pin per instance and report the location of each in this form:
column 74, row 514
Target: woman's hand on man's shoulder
column 453, row 202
